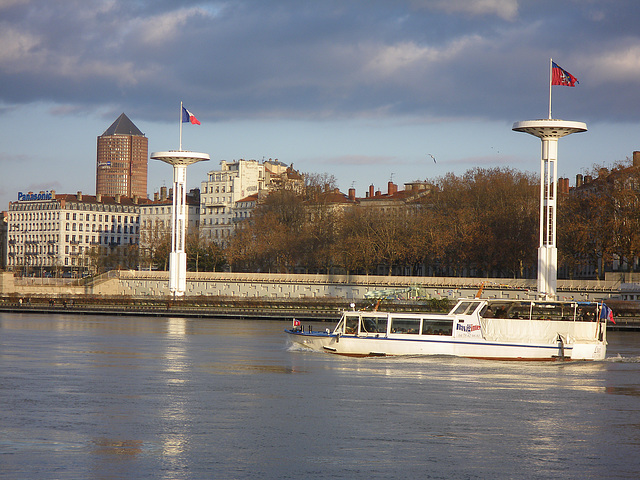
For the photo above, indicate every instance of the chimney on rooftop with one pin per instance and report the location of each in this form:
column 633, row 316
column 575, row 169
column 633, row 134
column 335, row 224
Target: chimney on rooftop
column 391, row 188
column 578, row 180
column 636, row 159
column 155, row 196
column 99, row 197
column 563, row 185
column 371, row 188
column 352, row 194
column 135, row 199
column 163, row 193
column 117, row 198
column 79, row 196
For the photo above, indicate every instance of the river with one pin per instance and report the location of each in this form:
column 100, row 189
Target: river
column 98, row 397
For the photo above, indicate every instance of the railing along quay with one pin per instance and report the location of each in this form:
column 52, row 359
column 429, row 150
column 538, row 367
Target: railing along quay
column 220, row 308
column 242, row 309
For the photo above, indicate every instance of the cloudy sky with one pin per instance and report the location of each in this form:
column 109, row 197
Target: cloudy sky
column 363, row 90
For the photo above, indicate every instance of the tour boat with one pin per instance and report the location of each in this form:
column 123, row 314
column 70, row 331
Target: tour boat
column 474, row 328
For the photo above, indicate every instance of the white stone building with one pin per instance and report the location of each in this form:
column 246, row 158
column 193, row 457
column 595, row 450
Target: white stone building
column 65, row 234
column 231, row 193
column 220, row 192
column 244, row 208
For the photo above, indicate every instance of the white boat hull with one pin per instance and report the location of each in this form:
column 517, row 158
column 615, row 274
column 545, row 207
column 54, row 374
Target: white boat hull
column 354, row 345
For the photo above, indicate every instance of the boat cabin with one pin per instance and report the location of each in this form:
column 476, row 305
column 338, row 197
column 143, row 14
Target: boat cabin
column 379, row 324
column 463, row 319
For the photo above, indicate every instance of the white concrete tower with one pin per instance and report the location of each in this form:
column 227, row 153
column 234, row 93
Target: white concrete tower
column 180, row 160
column 549, row 131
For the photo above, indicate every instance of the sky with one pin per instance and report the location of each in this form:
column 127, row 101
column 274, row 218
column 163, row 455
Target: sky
column 367, row 91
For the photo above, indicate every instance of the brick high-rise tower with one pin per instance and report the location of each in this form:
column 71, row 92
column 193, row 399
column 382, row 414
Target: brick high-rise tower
column 121, row 167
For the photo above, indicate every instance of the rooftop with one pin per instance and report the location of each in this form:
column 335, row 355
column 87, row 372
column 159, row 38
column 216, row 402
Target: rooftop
column 122, row 126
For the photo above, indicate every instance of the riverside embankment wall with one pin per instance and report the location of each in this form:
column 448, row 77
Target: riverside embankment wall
column 141, row 284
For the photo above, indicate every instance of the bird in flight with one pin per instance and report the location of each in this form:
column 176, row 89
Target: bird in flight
column 434, row 158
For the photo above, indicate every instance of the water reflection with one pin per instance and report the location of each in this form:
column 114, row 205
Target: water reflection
column 177, row 371
column 174, row 398
column 176, row 327
column 106, row 446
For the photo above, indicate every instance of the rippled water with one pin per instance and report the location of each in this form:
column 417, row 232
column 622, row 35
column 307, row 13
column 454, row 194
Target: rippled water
column 121, row 397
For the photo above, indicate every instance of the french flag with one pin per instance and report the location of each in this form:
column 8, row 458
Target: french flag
column 187, row 116
column 606, row 313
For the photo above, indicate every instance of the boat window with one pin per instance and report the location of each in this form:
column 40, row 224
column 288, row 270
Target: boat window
column 465, row 308
column 500, row 310
column 561, row 311
column 586, row 313
column 539, row 311
column 405, row 325
column 374, row 324
column 437, row 326
column 351, row 324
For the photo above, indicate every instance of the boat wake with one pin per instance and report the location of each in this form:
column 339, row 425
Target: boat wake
column 620, row 359
column 297, row 347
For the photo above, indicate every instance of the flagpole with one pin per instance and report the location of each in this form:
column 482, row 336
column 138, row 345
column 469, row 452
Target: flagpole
column 550, row 83
column 181, row 125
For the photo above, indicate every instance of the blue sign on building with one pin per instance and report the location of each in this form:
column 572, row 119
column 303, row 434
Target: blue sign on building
column 30, row 197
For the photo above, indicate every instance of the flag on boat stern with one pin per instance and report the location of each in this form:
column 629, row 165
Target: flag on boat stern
column 562, row 77
column 606, row 313
column 296, row 323
column 187, row 117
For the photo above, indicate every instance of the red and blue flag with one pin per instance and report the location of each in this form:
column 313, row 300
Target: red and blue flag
column 561, row 77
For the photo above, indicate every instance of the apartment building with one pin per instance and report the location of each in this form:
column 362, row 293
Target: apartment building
column 220, row 192
column 232, row 192
column 72, row 234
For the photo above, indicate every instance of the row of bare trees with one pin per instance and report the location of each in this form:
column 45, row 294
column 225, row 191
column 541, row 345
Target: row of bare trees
column 600, row 226
column 482, row 223
column 202, row 255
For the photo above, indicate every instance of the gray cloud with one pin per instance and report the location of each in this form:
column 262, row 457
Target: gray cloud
column 323, row 59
